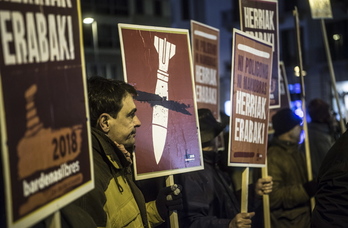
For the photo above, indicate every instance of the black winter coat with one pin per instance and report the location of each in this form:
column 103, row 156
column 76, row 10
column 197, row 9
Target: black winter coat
column 331, row 208
column 209, row 198
column 289, row 202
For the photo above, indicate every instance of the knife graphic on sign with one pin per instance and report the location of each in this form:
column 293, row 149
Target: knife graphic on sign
column 165, row 51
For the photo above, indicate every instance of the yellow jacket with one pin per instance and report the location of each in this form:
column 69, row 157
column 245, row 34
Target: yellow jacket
column 116, row 201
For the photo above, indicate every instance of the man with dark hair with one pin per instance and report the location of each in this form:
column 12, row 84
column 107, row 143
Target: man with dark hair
column 116, row 201
column 209, row 197
column 290, row 198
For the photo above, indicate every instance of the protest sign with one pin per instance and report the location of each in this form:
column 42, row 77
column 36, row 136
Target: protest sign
column 260, row 19
column 251, row 73
column 205, row 52
column 45, row 149
column 157, row 61
column 320, row 9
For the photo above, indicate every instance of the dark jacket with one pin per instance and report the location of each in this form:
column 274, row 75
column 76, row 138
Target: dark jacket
column 289, row 202
column 209, row 198
column 115, row 201
column 320, row 142
column 331, row 208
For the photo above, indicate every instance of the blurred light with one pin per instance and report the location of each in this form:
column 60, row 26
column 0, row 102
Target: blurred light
column 302, row 137
column 336, row 37
column 297, row 108
column 299, row 112
column 297, row 71
column 295, row 88
column 346, row 101
column 88, row 20
column 344, row 86
column 228, row 108
column 296, row 104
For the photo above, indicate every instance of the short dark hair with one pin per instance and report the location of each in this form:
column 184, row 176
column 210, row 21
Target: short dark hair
column 105, row 96
column 319, row 111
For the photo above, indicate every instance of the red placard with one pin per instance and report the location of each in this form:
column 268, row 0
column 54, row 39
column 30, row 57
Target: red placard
column 251, row 73
column 205, row 52
column 157, row 61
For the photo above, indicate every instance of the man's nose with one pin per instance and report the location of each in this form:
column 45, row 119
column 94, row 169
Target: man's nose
column 137, row 122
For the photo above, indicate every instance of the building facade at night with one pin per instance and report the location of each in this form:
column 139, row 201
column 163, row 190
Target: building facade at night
column 103, row 56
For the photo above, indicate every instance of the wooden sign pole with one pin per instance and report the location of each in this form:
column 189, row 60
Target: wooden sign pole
column 53, row 221
column 245, row 184
column 265, row 198
column 173, row 217
column 303, row 96
column 332, row 74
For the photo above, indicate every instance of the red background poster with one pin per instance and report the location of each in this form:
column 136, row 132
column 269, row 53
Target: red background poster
column 205, row 52
column 142, row 67
column 251, row 72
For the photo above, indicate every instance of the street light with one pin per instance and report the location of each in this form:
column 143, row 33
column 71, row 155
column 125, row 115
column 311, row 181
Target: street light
column 297, row 71
column 90, row 20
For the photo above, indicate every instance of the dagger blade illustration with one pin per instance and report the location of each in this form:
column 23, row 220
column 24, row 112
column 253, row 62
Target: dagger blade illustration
column 154, row 99
column 165, row 52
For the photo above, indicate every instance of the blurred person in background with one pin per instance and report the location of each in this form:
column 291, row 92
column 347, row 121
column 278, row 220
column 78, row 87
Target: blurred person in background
column 290, row 198
column 322, row 131
column 208, row 195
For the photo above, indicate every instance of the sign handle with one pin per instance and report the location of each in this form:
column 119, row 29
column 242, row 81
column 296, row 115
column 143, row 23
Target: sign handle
column 245, row 184
column 303, row 99
column 332, row 74
column 265, row 198
column 53, row 221
column 173, row 217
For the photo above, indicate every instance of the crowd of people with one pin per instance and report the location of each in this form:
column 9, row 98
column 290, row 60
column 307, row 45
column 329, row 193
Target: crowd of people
column 208, row 198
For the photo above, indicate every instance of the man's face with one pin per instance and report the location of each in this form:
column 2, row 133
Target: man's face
column 295, row 133
column 123, row 127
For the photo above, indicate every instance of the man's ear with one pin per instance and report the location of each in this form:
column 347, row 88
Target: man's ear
column 103, row 122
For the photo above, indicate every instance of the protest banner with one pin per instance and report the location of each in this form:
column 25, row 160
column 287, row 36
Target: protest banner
column 205, row 52
column 157, row 61
column 320, row 9
column 250, row 81
column 260, row 19
column 45, row 142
